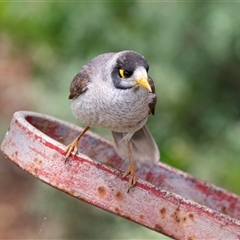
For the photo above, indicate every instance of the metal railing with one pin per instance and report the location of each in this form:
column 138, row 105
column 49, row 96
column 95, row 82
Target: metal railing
column 164, row 199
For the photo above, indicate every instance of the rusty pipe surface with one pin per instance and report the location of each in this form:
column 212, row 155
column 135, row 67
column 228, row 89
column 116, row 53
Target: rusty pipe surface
column 164, row 199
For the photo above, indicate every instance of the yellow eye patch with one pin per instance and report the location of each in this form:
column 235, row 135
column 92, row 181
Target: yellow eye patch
column 124, row 73
column 121, row 73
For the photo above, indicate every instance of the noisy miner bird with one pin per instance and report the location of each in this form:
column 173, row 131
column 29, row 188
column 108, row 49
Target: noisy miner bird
column 114, row 91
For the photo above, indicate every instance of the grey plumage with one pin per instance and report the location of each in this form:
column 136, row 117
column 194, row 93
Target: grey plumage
column 114, row 91
column 143, row 146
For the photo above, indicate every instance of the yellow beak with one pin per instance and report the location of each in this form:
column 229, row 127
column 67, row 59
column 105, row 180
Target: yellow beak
column 143, row 82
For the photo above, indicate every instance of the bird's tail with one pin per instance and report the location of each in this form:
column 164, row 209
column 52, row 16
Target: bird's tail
column 143, row 146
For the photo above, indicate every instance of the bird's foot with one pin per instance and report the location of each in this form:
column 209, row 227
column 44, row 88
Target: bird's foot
column 131, row 173
column 71, row 148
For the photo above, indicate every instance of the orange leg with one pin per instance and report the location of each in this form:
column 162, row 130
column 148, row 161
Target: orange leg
column 131, row 168
column 73, row 146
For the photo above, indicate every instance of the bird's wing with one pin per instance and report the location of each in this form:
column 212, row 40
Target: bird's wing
column 80, row 82
column 153, row 103
column 143, row 146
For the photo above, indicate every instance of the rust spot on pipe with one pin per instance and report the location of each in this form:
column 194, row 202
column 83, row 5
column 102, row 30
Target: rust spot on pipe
column 101, row 191
column 117, row 210
column 176, row 216
column 224, row 210
column 36, row 171
column 119, row 196
column 177, row 219
column 163, row 212
column 141, row 216
column 37, row 161
column 191, row 238
column 15, row 155
column 191, row 216
column 158, row 228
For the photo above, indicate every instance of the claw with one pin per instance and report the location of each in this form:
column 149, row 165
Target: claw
column 71, row 148
column 131, row 173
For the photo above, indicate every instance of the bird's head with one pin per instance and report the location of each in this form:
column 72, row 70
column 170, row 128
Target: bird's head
column 130, row 69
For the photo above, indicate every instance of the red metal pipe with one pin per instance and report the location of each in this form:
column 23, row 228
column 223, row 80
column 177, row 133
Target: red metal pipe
column 164, row 199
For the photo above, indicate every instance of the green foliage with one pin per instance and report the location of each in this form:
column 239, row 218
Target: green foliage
column 194, row 54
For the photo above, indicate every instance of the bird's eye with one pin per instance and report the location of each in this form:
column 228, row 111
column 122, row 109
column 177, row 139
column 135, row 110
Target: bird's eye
column 124, row 74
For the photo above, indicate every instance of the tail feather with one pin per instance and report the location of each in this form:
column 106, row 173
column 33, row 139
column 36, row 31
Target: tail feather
column 143, row 146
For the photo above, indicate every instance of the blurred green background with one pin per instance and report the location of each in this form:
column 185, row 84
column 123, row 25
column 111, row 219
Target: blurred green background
column 193, row 49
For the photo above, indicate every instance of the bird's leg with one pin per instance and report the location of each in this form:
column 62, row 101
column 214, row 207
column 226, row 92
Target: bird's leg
column 73, row 146
column 131, row 168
